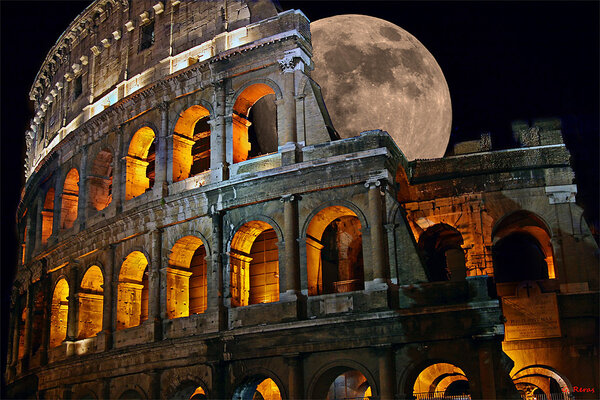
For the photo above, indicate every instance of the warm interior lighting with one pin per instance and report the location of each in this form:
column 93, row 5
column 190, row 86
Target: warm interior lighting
column 186, row 278
column 268, row 390
column 132, row 301
column 70, row 200
column 59, row 312
column 101, row 179
column 91, row 300
column 140, row 163
column 198, row 394
column 254, row 265
column 47, row 215
column 191, row 143
column 443, row 380
column 334, row 252
column 241, row 122
column 349, row 385
column 21, row 323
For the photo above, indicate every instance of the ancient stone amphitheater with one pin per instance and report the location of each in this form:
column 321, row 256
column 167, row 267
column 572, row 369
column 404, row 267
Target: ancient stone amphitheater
column 193, row 227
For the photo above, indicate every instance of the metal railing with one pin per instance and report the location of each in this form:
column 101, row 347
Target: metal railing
column 553, row 396
column 440, row 396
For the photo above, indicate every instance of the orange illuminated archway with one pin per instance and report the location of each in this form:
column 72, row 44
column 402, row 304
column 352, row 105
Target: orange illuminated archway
column 140, row 163
column 132, row 296
column 191, row 143
column 47, row 215
column 91, row 300
column 70, row 200
column 441, row 249
column 334, row 257
column 59, row 312
column 242, row 146
column 186, row 278
column 441, row 380
column 254, row 265
column 101, row 179
column 258, row 387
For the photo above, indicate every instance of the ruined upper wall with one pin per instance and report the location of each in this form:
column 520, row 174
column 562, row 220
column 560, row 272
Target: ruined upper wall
column 114, row 48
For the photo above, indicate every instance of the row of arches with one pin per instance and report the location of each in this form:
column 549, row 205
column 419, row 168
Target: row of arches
column 254, row 135
column 521, row 250
column 334, row 265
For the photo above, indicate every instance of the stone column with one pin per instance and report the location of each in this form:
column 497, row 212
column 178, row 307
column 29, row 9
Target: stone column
column 107, row 306
column 215, row 273
column 56, row 213
column 117, row 187
column 72, row 312
column 154, row 392
column 160, row 181
column 28, row 324
column 387, row 373
column 378, row 258
column 218, row 134
column 295, row 377
column 290, row 238
column 16, row 330
column 46, row 317
column 29, row 235
column 38, row 223
column 154, row 283
column 83, row 189
column 288, row 137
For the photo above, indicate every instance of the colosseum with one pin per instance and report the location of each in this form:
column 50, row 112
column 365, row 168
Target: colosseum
column 193, row 227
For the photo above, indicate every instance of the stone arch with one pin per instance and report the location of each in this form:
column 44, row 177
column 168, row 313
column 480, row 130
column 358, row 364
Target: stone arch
column 91, row 302
column 132, row 394
column 100, row 178
column 522, row 248
column 322, row 380
column 187, row 278
column 531, row 373
column 140, row 158
column 187, row 389
column 69, row 199
column 191, row 142
column 336, row 202
column 441, row 373
column 254, row 262
column 132, row 293
column 85, row 394
column 246, row 386
column 253, row 137
column 441, row 248
column 334, row 249
column 59, row 310
column 47, row 215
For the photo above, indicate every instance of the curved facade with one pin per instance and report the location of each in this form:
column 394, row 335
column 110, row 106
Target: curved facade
column 192, row 227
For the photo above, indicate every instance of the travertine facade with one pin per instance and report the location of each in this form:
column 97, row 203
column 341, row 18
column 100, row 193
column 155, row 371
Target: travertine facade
column 176, row 245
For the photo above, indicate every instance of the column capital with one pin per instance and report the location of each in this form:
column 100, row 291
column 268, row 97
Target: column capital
column 374, row 183
column 164, row 106
column 288, row 198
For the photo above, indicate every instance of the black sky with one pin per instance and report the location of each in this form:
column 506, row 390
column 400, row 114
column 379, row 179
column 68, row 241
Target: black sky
column 502, row 60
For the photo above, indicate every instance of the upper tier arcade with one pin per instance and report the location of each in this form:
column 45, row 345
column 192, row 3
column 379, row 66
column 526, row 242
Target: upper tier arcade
column 114, row 50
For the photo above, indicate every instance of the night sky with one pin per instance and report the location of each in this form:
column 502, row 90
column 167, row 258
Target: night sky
column 502, row 61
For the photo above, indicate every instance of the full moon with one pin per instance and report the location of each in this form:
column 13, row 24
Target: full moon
column 375, row 75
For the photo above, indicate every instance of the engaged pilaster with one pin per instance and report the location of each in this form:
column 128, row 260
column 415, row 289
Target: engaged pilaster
column 160, row 182
column 290, row 150
column 379, row 264
column 218, row 132
column 290, row 237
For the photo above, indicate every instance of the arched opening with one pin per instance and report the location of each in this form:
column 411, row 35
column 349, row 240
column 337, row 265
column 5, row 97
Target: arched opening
column 254, row 265
column 191, row 143
column 24, row 237
column 522, row 248
column 132, row 300
column 70, row 200
column 258, row 388
column 101, row 179
column 342, row 382
column 140, row 163
column 189, row 391
column 59, row 312
column 541, row 381
column 441, row 381
column 22, row 321
column 91, row 300
column 186, row 278
column 334, row 252
column 47, row 215
column 441, row 249
column 254, row 123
